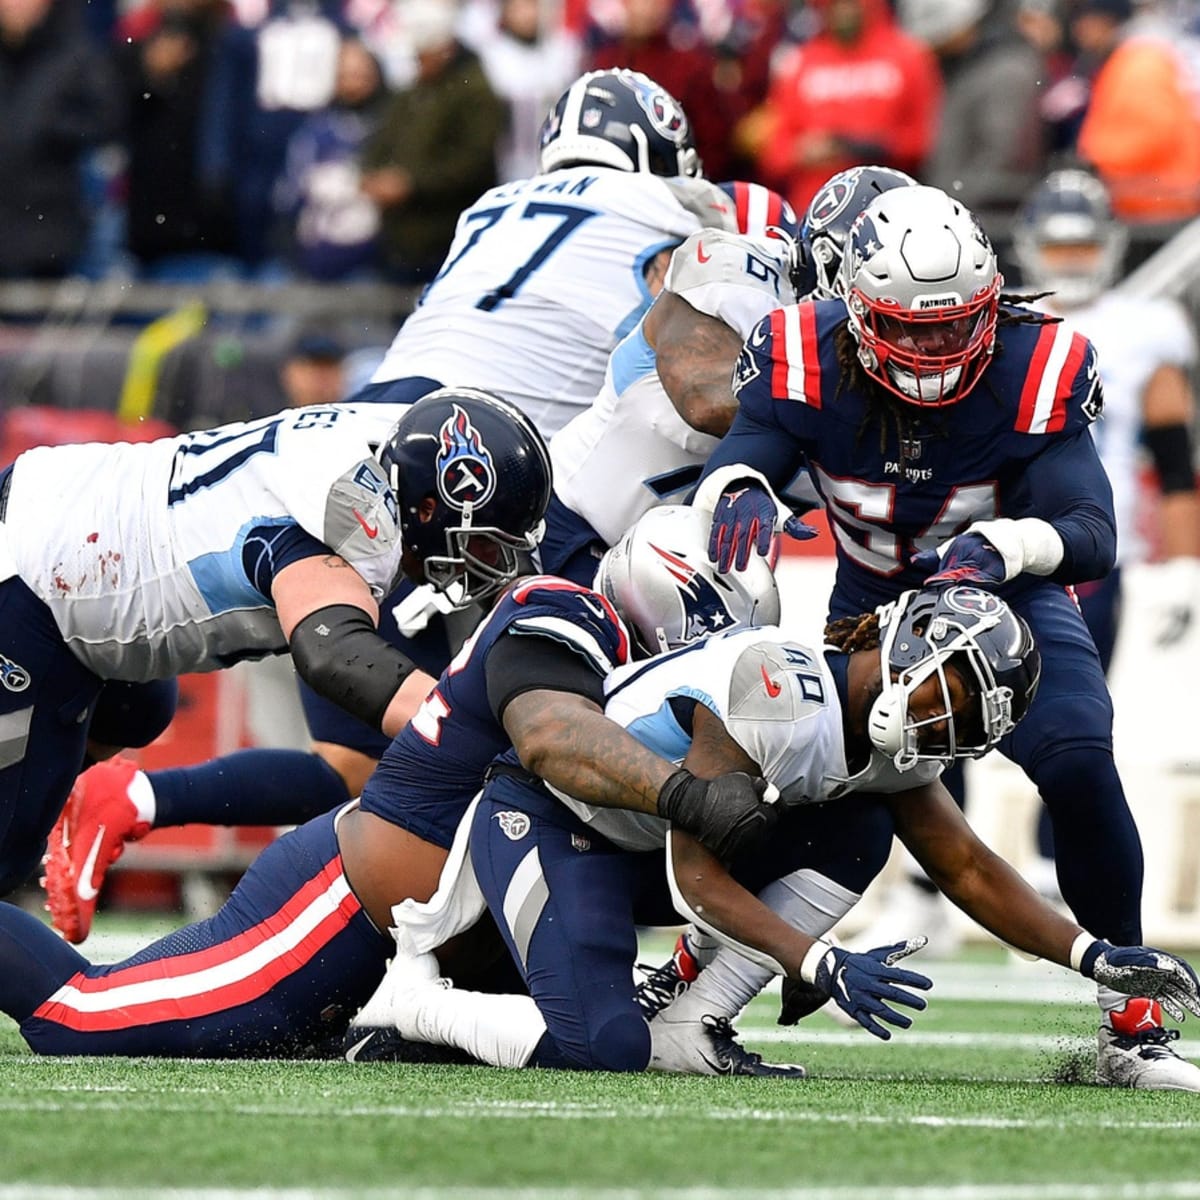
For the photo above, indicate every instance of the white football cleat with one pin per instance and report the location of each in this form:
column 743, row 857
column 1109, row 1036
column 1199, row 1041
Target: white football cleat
column 377, row 1020
column 1135, row 1051
column 708, row 1047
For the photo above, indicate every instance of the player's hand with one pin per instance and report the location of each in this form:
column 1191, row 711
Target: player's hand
column 866, row 985
column 1144, row 971
column 729, row 815
column 969, row 558
column 743, row 522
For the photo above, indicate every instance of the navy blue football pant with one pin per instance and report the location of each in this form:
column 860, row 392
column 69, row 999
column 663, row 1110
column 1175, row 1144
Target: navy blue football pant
column 1064, row 745
column 50, row 703
column 566, row 901
column 284, row 965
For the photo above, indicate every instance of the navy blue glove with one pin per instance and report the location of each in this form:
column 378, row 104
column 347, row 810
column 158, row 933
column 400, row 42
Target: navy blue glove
column 970, row 558
column 1144, row 971
column 743, row 520
column 861, row 984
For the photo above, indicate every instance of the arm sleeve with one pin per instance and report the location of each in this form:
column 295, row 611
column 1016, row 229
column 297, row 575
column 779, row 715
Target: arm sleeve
column 759, row 444
column 525, row 664
column 269, row 548
column 1069, row 488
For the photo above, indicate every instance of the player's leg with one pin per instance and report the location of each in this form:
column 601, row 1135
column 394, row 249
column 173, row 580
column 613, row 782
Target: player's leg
column 278, row 970
column 1065, row 747
column 570, row 547
column 821, row 861
column 46, row 698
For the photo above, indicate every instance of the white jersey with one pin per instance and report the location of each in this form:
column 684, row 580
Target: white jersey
column 777, row 700
column 138, row 549
column 1134, row 336
column 543, row 278
column 631, row 450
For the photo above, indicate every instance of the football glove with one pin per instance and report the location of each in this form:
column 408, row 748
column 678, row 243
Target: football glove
column 744, row 520
column 1144, row 971
column 969, row 558
column 863, row 984
column 730, row 814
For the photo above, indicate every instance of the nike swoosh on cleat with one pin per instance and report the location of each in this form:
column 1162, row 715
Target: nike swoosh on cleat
column 353, row 1052
column 83, row 885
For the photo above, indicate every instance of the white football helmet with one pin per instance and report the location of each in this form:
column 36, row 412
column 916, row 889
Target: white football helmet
column 922, row 289
column 1067, row 240
column 920, row 633
column 659, row 579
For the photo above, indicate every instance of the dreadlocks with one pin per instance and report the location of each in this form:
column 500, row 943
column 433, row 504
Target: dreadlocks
column 854, row 633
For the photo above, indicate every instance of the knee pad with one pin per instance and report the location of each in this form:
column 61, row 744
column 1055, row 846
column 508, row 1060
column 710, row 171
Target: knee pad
column 1082, row 775
column 621, row 1044
column 133, row 714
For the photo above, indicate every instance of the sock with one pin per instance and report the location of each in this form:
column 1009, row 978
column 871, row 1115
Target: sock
column 34, row 962
column 502, row 1031
column 807, row 901
column 251, row 787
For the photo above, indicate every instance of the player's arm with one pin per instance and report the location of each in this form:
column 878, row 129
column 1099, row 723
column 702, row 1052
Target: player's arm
column 987, row 889
column 695, row 356
column 329, row 617
column 1168, row 410
column 549, row 700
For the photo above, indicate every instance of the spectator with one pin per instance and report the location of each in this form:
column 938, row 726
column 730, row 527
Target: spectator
column 1141, row 131
column 672, row 54
column 164, row 59
column 861, row 91
column 335, row 225
column 529, row 65
column 57, row 100
column 989, row 150
column 264, row 81
column 434, row 151
column 313, row 370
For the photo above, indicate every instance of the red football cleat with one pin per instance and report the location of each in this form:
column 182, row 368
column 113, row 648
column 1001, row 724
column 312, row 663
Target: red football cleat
column 89, row 836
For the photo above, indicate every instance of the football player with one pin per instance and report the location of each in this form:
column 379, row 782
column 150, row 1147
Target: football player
column 854, row 735
column 948, row 435
column 298, row 946
column 544, row 277
column 135, row 563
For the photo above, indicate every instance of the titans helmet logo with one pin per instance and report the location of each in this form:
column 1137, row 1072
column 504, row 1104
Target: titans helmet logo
column 832, row 199
column 466, row 473
column 661, row 107
column 704, row 611
column 972, row 600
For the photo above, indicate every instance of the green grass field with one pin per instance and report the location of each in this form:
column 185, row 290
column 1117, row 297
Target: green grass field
column 987, row 1097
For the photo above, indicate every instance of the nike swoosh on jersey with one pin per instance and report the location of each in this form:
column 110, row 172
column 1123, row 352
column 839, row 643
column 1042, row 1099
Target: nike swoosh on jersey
column 700, row 255
column 773, row 688
column 83, row 885
column 372, row 531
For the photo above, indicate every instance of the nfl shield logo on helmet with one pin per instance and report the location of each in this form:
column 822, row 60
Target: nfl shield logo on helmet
column 514, row 825
column 466, row 473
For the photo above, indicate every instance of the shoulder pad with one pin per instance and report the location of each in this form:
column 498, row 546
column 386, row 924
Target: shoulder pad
column 784, row 345
column 704, row 200
column 712, row 266
column 775, row 681
column 577, row 617
column 1061, row 386
column 361, row 515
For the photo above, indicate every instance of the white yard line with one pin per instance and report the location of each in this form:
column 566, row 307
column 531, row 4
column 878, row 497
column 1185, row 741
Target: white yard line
column 1165, row 1190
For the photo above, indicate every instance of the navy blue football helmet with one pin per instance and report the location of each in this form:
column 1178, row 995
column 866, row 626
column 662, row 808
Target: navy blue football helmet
column 471, row 475
column 826, row 224
column 620, row 119
column 1066, row 239
column 760, row 212
column 994, row 652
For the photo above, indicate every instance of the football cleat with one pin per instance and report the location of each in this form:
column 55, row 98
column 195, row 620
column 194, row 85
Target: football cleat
column 1135, row 1051
column 383, row 1043
column 665, row 984
column 89, row 836
column 709, row 1047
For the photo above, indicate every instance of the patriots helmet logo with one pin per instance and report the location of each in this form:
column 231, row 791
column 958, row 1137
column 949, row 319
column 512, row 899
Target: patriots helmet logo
column 466, row 473
column 704, row 611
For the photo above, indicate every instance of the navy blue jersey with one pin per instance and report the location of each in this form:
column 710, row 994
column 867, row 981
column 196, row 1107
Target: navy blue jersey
column 896, row 478
column 432, row 770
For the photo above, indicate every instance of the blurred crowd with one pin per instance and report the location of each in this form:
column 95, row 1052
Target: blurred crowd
column 184, row 140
